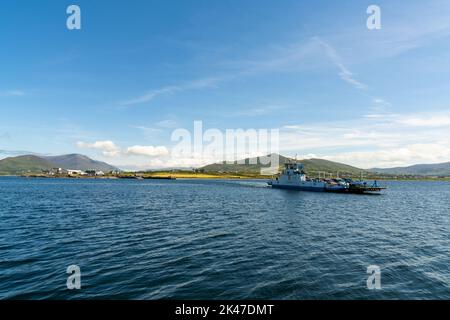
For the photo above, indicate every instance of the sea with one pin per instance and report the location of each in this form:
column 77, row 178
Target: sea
column 221, row 239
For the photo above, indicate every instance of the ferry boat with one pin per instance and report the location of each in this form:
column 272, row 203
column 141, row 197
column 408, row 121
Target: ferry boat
column 294, row 177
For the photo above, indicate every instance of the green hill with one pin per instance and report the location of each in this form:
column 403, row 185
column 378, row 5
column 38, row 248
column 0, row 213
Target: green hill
column 312, row 167
column 37, row 164
column 24, row 164
column 79, row 162
column 316, row 165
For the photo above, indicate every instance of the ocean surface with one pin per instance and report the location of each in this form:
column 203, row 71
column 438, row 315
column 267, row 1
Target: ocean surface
column 218, row 239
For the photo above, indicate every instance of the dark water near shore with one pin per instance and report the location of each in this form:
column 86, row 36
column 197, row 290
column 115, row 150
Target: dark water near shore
column 190, row 239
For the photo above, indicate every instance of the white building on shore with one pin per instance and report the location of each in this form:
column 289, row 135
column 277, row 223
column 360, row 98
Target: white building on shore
column 76, row 172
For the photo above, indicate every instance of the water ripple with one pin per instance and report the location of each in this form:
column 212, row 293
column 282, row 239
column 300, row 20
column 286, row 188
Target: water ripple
column 192, row 239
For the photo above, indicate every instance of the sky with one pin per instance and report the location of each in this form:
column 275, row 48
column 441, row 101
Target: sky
column 116, row 89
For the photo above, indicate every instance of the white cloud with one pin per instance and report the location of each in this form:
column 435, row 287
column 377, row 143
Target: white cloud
column 147, row 151
column 108, row 148
column 386, row 140
column 426, row 121
column 382, row 141
column 396, row 157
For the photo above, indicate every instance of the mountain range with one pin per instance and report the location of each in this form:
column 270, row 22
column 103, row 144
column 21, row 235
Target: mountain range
column 321, row 165
column 36, row 164
column 311, row 166
column 438, row 169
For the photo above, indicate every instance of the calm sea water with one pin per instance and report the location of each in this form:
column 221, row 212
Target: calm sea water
column 189, row 239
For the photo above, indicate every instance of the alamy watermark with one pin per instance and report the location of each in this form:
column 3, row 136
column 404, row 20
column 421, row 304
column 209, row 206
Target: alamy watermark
column 73, row 22
column 374, row 20
column 259, row 146
column 74, row 278
column 374, row 279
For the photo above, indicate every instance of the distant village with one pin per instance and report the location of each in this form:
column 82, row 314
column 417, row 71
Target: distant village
column 114, row 174
column 54, row 172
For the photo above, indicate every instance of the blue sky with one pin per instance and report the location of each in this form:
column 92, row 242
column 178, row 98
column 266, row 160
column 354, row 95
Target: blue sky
column 137, row 70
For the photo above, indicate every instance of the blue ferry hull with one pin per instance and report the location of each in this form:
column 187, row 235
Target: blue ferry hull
column 300, row 188
column 365, row 190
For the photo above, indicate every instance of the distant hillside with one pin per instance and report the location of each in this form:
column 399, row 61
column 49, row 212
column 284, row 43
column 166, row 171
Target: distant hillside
column 439, row 169
column 79, row 162
column 311, row 166
column 21, row 164
column 241, row 168
column 36, row 164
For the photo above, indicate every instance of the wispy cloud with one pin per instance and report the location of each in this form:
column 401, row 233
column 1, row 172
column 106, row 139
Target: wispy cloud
column 295, row 57
column 167, row 124
column 12, row 93
column 257, row 111
column 290, row 58
column 158, row 128
column 344, row 72
column 419, row 25
column 169, row 90
column 149, row 132
column 380, row 108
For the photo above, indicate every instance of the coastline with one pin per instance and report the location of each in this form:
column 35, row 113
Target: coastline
column 201, row 176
